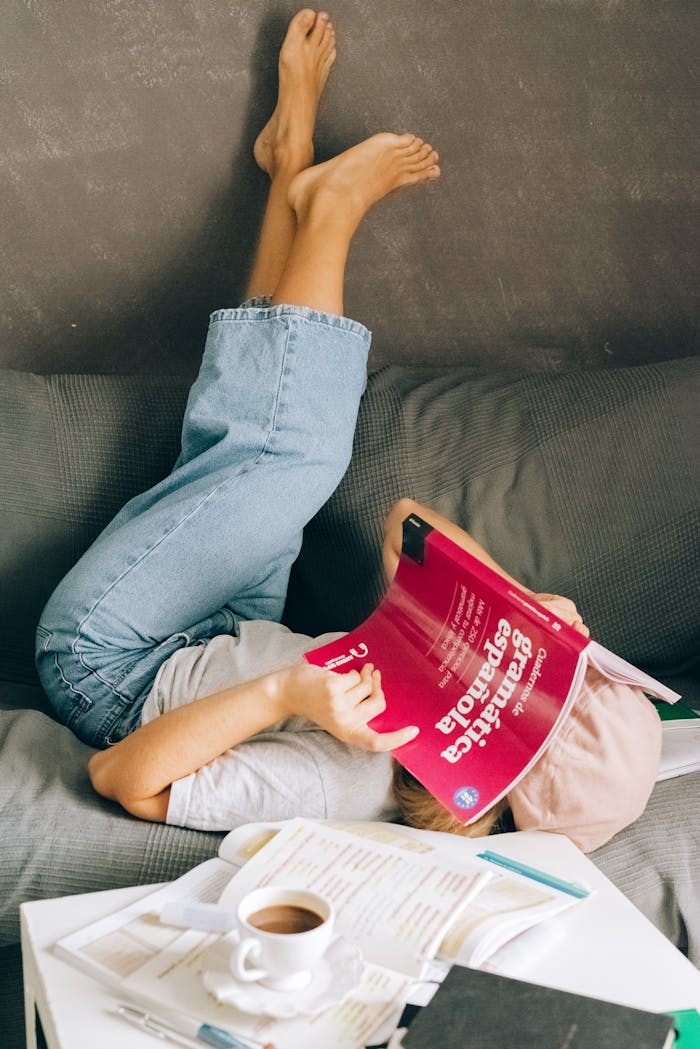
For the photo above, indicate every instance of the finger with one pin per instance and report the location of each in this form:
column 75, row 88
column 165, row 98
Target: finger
column 362, row 690
column 376, row 689
column 351, row 678
column 365, row 674
column 383, row 741
column 566, row 610
column 371, row 707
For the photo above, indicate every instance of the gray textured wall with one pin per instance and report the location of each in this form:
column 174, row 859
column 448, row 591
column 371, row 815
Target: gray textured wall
column 564, row 230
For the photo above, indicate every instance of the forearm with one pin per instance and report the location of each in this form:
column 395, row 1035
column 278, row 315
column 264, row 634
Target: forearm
column 144, row 764
column 562, row 607
column 139, row 771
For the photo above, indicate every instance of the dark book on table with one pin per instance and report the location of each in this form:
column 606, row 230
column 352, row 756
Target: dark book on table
column 481, row 1010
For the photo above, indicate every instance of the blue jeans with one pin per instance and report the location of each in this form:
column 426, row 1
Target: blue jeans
column 266, row 437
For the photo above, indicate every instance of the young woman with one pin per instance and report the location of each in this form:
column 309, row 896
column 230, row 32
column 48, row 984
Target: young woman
column 163, row 644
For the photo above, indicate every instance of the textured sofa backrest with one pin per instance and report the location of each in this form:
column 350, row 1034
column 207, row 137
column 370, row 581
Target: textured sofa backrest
column 73, row 449
column 563, row 229
column 584, row 484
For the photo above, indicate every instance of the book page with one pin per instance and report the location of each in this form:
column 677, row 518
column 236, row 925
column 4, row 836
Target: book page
column 115, row 947
column 618, row 669
column 241, row 844
column 176, row 982
column 505, row 907
column 680, row 748
column 395, row 904
column 165, row 968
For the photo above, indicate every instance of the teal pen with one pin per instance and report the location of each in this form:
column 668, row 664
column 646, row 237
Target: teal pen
column 186, row 1031
column 532, row 872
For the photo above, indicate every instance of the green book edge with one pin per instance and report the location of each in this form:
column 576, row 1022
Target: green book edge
column 674, row 711
column 687, row 1023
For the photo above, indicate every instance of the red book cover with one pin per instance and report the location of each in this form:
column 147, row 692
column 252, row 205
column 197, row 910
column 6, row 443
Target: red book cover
column 484, row 671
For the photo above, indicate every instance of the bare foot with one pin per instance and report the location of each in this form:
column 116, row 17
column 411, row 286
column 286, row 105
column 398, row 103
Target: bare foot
column 352, row 182
column 306, row 57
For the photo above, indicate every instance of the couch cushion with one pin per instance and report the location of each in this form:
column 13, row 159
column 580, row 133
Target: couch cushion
column 59, row 837
column 656, row 860
column 586, row 484
column 73, row 449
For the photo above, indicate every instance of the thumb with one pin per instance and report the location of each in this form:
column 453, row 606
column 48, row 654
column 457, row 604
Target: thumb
column 393, row 740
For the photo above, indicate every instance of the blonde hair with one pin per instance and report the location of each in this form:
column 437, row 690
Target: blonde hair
column 419, row 808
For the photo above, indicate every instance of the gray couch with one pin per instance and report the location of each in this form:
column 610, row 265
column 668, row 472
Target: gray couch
column 533, row 366
column 580, row 482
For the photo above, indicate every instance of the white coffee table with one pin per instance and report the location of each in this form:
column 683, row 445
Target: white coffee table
column 72, row 1008
column 611, row 951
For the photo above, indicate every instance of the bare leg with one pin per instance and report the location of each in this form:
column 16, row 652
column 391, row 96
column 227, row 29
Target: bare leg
column 329, row 201
column 285, row 145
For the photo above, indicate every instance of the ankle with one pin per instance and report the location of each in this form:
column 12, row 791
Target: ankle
column 280, row 181
column 292, row 157
column 328, row 207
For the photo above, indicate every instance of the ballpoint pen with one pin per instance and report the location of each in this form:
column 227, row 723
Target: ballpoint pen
column 186, row 1031
column 572, row 888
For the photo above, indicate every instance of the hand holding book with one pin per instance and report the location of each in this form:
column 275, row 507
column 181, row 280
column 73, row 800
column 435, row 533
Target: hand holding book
column 565, row 609
column 342, row 704
column 561, row 607
column 490, row 676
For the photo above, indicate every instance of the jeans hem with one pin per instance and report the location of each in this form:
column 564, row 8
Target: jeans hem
column 260, row 309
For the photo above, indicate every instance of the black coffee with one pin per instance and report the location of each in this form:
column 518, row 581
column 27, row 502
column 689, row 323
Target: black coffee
column 284, row 918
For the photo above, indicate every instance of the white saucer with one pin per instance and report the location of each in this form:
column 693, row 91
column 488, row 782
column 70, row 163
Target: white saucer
column 333, row 977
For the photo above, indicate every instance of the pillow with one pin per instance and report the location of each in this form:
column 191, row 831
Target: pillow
column 581, row 483
column 73, row 449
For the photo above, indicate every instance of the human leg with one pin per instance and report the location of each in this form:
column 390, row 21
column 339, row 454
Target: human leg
column 331, row 199
column 267, row 435
column 114, row 620
column 285, row 145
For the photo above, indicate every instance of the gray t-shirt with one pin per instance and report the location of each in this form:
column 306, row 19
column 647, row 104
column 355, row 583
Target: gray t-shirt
column 292, row 768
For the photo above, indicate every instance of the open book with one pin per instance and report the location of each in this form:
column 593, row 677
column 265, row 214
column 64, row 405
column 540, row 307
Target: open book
column 403, row 897
column 680, row 744
column 486, row 672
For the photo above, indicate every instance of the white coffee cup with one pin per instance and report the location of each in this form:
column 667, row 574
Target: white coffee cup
column 285, row 932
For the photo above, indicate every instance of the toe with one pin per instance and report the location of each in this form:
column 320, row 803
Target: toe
column 427, row 160
column 419, row 164
column 328, row 35
column 406, row 142
column 318, row 30
column 302, row 21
